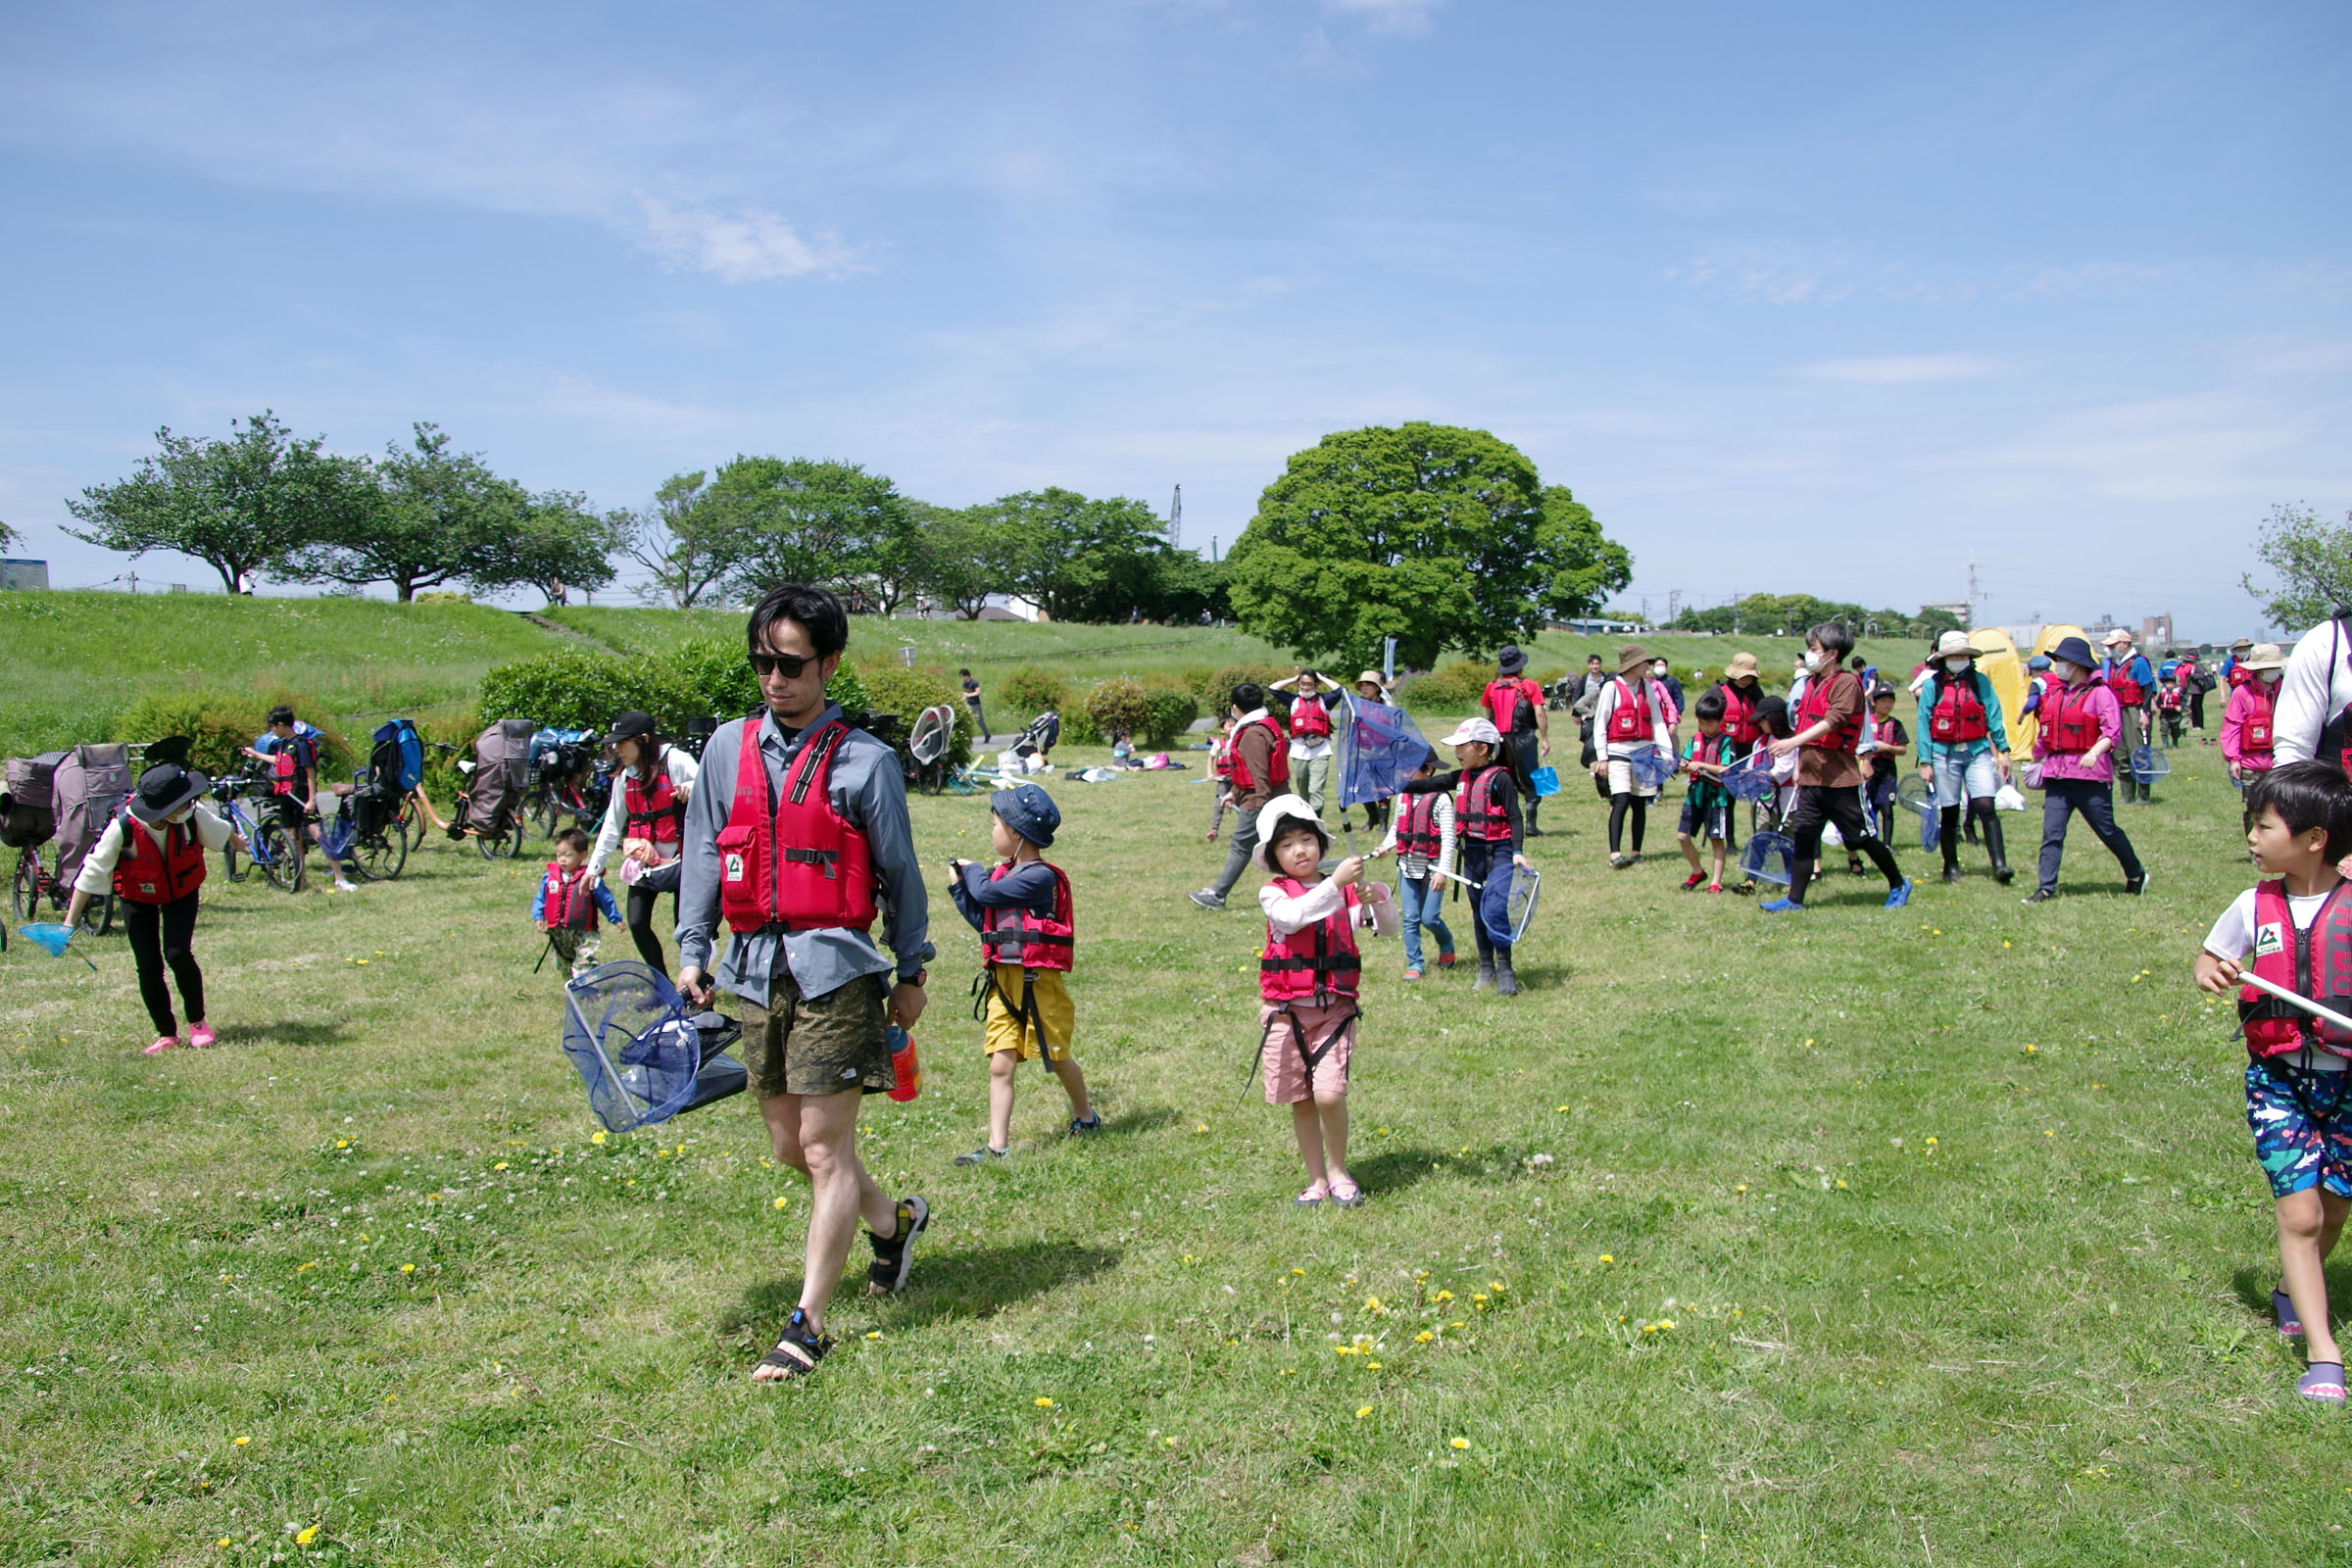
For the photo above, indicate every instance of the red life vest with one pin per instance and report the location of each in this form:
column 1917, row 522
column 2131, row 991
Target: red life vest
column 2069, row 727
column 1417, row 824
column 149, row 873
column 1278, row 761
column 1032, row 941
column 1710, row 749
column 654, row 813
column 2314, row 961
column 1629, row 715
column 1314, row 962
column 284, row 776
column 2258, row 732
column 1507, row 698
column 1309, row 716
column 1847, row 736
column 2168, row 699
column 2238, row 676
column 1739, row 713
column 1477, row 814
column 805, row 869
column 568, row 901
column 2128, row 692
column 1958, row 716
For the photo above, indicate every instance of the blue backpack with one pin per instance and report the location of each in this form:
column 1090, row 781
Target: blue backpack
column 399, row 755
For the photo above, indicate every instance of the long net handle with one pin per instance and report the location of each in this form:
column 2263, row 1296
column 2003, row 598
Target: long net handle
column 2295, row 999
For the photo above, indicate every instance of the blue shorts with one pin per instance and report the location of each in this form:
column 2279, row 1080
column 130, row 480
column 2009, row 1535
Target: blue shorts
column 2302, row 1124
column 1706, row 822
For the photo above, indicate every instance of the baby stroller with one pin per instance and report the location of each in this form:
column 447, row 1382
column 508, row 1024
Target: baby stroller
column 927, row 747
column 371, row 830
column 642, row 1054
column 491, row 809
column 88, row 786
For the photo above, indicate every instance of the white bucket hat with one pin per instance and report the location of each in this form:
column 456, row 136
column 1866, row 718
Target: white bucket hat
column 1278, row 810
column 1474, row 729
column 1954, row 645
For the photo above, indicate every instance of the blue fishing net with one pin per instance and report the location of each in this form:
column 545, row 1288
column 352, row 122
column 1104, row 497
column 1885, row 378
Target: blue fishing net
column 1750, row 779
column 1770, row 858
column 1651, row 766
column 2148, row 765
column 627, row 1031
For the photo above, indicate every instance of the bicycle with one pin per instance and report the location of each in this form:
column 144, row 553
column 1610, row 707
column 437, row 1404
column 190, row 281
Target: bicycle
column 267, row 845
column 551, row 799
column 379, row 841
column 34, row 882
column 501, row 841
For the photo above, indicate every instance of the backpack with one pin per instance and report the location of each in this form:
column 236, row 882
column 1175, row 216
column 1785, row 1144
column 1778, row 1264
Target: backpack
column 398, row 760
column 28, row 816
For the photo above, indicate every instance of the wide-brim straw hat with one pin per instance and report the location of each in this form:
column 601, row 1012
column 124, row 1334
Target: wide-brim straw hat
column 1742, row 664
column 1955, row 645
column 2263, row 656
column 1631, row 657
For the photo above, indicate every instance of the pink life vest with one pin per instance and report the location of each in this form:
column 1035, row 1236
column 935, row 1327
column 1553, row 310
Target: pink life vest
column 2314, row 961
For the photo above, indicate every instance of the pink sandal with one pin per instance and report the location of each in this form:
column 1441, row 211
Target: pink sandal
column 1312, row 1196
column 200, row 1035
column 163, row 1042
column 1347, row 1194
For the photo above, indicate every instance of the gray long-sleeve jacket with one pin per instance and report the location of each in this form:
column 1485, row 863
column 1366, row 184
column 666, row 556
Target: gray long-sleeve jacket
column 867, row 789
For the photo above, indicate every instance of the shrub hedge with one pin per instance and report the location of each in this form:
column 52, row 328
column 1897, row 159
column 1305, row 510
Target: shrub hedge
column 1029, row 691
column 224, row 722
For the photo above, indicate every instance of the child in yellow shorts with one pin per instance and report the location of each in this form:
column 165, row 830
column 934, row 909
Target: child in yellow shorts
column 1021, row 908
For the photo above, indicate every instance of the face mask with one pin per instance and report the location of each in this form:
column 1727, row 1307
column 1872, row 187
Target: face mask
column 2269, row 677
column 1822, row 660
column 1659, row 670
column 2065, row 671
column 1958, row 666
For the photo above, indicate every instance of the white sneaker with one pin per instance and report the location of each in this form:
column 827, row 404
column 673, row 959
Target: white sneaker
column 345, row 885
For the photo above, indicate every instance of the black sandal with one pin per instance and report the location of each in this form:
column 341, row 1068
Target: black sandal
column 796, row 1336
column 887, row 1273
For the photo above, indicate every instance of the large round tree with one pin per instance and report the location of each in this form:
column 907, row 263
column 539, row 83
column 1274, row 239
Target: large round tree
column 1437, row 536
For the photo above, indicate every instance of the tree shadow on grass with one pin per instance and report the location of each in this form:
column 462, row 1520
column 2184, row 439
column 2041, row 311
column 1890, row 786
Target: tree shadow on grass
column 285, row 1032
column 1393, row 1169
column 968, row 1284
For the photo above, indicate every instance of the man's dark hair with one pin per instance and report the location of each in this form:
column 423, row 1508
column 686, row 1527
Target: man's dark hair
column 2307, row 795
column 281, row 714
column 1248, row 696
column 964, row 672
column 572, row 839
column 1860, row 663
column 1709, row 706
column 1833, row 637
column 820, row 613
column 1592, row 658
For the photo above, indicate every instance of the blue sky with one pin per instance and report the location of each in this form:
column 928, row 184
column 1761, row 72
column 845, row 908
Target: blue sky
column 1816, row 298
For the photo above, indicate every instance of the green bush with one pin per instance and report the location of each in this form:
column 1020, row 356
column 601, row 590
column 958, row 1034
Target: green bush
column 1029, row 691
column 1215, row 694
column 719, row 676
column 576, row 689
column 1172, row 711
column 450, row 726
column 1119, row 703
column 1077, row 729
column 1449, row 689
column 893, row 688
column 221, row 723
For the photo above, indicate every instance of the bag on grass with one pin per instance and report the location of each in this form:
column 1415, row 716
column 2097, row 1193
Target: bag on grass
column 28, row 814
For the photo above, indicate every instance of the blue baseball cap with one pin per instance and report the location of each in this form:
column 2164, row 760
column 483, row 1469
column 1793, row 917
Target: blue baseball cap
column 1028, row 810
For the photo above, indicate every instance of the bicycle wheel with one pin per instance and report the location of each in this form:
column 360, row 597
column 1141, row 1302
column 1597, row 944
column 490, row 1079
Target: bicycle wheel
column 26, row 892
column 548, row 814
column 274, row 853
column 98, row 915
column 381, row 855
column 409, row 823
column 233, row 865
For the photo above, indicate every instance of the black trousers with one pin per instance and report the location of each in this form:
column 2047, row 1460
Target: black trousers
column 644, row 895
column 160, row 934
column 1819, row 804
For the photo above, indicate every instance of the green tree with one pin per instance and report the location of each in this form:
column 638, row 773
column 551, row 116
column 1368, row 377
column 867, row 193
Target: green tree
column 238, row 506
column 435, row 518
column 559, row 544
column 2313, row 562
column 684, row 543
column 1091, row 560
column 957, row 553
column 832, row 524
column 1437, row 536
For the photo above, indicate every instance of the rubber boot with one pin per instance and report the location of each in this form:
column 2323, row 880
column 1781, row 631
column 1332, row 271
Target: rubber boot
column 1947, row 838
column 1533, row 806
column 1506, row 984
column 2000, row 851
column 1486, row 976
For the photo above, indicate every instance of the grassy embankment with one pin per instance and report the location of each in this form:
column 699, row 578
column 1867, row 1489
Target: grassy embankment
column 1853, row 1239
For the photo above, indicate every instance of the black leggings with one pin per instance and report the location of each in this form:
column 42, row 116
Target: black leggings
column 642, row 901
column 1818, row 803
column 1618, row 805
column 160, row 935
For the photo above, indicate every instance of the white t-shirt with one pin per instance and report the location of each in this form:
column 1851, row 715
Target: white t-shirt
column 682, row 770
column 2314, row 689
column 2233, row 937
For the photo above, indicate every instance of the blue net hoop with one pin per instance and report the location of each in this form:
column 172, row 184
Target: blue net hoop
column 628, row 1032
column 1651, row 767
column 1770, row 858
column 1750, row 779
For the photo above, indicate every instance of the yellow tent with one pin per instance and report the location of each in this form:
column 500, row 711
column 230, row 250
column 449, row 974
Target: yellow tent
column 2022, row 731
column 1997, row 658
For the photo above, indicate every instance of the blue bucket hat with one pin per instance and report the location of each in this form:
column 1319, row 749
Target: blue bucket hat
column 2075, row 651
column 1028, row 810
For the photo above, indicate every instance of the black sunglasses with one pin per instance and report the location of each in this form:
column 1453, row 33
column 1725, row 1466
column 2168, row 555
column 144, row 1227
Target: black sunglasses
column 788, row 665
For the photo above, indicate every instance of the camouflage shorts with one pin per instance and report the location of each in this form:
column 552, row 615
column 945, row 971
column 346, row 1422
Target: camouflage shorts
column 822, row 1046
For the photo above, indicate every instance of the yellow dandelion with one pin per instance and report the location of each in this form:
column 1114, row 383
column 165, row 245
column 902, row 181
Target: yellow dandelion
column 391, row 1398
column 1362, row 1410
column 2032, row 1050
column 1931, row 1143
column 225, row 1542
column 1423, row 1338
column 1495, row 1286
column 1808, row 1041
column 1667, row 1324
column 1372, row 1365
column 1201, row 1127
column 309, row 1533
column 342, row 1142
column 1448, row 1296
column 780, row 1202
column 2049, row 1132
column 1841, row 1184
column 873, row 1334
column 1299, row 1271
column 243, row 1442
column 1741, row 1188
column 408, row 1268
column 501, row 1165
column 1461, row 1442
column 1559, row 1108
column 598, row 1137
column 1606, row 1258
column 1044, row 1403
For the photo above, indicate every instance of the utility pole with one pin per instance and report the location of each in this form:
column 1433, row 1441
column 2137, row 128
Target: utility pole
column 1176, row 516
column 1974, row 596
column 1674, row 604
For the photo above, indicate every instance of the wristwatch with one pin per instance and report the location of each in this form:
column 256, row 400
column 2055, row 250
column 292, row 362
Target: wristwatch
column 919, row 977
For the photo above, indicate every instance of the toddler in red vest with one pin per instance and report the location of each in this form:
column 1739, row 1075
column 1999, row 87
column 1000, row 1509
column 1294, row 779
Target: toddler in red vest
column 2298, row 928
column 1021, row 908
column 568, row 901
column 1307, row 982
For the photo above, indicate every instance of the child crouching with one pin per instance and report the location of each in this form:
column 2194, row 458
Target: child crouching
column 1021, row 908
column 1307, row 980
column 568, row 901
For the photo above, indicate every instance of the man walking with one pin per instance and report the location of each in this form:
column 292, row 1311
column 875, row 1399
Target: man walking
column 796, row 834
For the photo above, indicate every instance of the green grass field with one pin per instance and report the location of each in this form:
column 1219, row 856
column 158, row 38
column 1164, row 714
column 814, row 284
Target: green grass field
column 1870, row 1238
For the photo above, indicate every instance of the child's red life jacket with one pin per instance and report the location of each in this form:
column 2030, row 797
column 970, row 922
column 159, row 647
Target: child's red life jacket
column 2127, row 693
column 283, row 774
column 652, row 811
column 1314, row 962
column 2314, row 961
column 1278, row 760
column 1847, row 736
column 1629, row 715
column 1710, row 749
column 2168, row 699
column 807, row 867
column 1958, row 716
column 1477, row 814
column 150, row 872
column 1220, row 758
column 1032, row 941
column 2238, row 676
column 2257, row 733
column 1508, row 700
column 568, row 900
column 1739, row 713
column 1417, row 824
column 2069, row 727
column 1310, row 717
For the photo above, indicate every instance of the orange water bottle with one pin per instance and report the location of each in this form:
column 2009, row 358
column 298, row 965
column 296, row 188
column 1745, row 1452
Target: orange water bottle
column 904, row 1068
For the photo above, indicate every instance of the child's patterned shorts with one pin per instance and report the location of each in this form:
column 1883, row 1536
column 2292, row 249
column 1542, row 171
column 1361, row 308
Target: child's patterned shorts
column 2302, row 1122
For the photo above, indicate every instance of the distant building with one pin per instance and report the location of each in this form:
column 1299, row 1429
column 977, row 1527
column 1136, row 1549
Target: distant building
column 1587, row 626
column 2156, row 631
column 23, row 574
column 1957, row 609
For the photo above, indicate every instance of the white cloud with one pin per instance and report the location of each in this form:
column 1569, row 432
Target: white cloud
column 746, row 246
column 1903, row 369
column 1749, row 279
column 1387, row 16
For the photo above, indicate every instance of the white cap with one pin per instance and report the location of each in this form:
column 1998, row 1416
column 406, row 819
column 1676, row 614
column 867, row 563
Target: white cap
column 1271, row 817
column 1474, row 729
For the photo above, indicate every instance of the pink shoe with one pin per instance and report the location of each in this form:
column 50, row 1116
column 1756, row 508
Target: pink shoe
column 163, row 1042
column 200, row 1035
